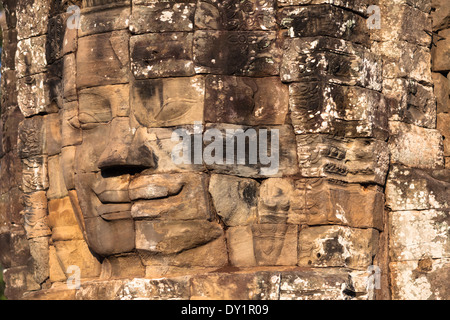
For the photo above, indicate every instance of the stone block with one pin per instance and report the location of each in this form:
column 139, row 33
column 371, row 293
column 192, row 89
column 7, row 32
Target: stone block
column 416, row 147
column 440, row 53
column 356, row 5
column 157, row 289
column 205, row 258
column 5, row 218
column 331, row 60
column 9, row 91
column 32, row 137
column 425, row 279
column 35, row 215
column 245, row 100
column 102, row 104
column 241, row 53
column 77, row 253
column 52, row 128
column 31, row 56
column 443, row 125
column 402, row 59
column 442, row 92
column 34, row 174
column 336, row 246
column 151, row 289
column 70, row 77
column 11, row 171
column 160, row 141
column 414, row 189
column 98, row 4
column 178, row 196
column 417, row 234
column 262, row 245
column 104, row 20
column 40, row 257
column 9, row 47
column 103, row 59
column 325, row 284
column 15, row 207
column 402, row 22
column 320, row 202
column 55, row 72
column 19, row 280
column 235, row 286
column 253, row 158
column 11, row 18
column 11, row 120
column 56, row 272
column 410, row 102
column 33, row 18
column 56, row 186
column 19, row 247
column 232, row 15
column 163, row 17
column 441, row 15
column 60, row 38
column 100, row 290
column 351, row 111
column 109, row 237
column 156, row 55
column 235, row 199
column 345, row 159
column 168, row 102
column 71, row 133
column 174, row 236
column 123, row 266
column 63, row 221
column 324, row 20
column 34, row 95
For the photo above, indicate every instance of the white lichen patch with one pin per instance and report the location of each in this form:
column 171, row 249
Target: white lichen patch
column 166, row 16
column 419, row 233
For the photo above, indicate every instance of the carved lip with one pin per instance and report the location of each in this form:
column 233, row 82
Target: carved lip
column 114, row 211
column 114, row 196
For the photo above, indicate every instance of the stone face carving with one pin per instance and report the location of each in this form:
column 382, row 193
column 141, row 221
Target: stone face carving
column 91, row 118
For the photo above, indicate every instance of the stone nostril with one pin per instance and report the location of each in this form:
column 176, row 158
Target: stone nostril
column 127, row 149
column 115, row 171
column 126, row 159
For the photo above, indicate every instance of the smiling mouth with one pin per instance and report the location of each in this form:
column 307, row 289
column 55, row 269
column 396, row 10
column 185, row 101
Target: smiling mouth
column 114, row 211
column 132, row 200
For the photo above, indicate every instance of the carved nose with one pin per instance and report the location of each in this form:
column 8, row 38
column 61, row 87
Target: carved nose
column 126, row 149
